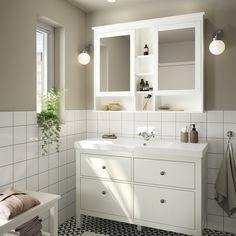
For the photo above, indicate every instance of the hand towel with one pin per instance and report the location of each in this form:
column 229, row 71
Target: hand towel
column 226, row 183
column 14, row 202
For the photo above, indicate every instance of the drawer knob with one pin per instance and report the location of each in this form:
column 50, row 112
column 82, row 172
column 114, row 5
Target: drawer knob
column 104, row 192
column 103, row 167
column 162, row 173
column 162, row 201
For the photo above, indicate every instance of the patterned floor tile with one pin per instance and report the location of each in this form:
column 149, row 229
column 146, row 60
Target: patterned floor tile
column 114, row 228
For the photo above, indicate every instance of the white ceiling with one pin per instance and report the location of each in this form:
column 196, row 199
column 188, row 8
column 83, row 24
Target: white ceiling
column 96, row 5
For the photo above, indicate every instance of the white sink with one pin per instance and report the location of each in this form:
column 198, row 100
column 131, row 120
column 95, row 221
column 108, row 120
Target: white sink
column 139, row 147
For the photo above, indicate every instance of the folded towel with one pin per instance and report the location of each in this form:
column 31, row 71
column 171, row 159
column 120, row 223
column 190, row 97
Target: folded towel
column 14, row 202
column 226, row 183
column 12, row 233
column 31, row 229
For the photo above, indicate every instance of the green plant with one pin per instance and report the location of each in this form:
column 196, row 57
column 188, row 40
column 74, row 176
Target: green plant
column 48, row 120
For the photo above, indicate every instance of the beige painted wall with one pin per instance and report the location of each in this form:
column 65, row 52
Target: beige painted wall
column 17, row 51
column 220, row 71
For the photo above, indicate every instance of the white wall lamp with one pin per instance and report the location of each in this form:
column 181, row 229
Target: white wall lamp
column 217, row 46
column 84, row 57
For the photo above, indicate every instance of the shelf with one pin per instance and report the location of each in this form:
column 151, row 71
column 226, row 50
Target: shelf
column 182, row 63
column 144, row 92
column 145, row 74
column 145, row 56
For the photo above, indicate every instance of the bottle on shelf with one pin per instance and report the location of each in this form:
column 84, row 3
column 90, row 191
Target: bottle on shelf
column 146, row 86
column 193, row 135
column 145, row 50
column 141, row 85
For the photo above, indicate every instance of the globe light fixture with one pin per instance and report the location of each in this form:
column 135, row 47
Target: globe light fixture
column 84, row 57
column 217, row 46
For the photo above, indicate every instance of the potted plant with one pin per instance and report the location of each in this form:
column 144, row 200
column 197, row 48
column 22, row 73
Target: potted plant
column 48, row 120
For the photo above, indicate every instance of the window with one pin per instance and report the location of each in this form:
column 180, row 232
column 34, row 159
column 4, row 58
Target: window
column 45, row 61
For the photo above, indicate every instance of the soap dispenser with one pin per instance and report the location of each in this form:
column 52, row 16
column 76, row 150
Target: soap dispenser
column 193, row 134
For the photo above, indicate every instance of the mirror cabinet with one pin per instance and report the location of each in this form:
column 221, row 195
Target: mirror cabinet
column 150, row 65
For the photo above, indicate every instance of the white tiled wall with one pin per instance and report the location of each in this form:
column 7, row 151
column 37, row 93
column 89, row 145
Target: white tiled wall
column 23, row 166
column 212, row 127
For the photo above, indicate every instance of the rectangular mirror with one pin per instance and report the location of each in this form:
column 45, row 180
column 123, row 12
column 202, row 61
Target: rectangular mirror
column 176, row 70
column 115, row 64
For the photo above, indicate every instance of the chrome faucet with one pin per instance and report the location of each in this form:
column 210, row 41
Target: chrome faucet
column 147, row 136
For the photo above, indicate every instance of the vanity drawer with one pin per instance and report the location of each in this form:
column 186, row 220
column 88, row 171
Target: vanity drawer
column 102, row 166
column 178, row 174
column 165, row 206
column 106, row 197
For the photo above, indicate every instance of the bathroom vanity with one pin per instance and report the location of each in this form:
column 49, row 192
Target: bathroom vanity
column 173, row 68
column 160, row 184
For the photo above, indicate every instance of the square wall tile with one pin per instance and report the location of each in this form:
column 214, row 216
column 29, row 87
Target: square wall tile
column 115, row 127
column 212, row 175
column 62, row 172
column 198, row 117
column 19, row 134
column 103, row 115
column 62, row 158
column 70, row 155
column 230, row 116
column 20, row 170
column 214, row 208
column 43, row 180
column 6, row 136
column 32, row 183
column 21, row 184
column 103, row 127
column 54, row 188
column 215, row 145
column 183, row 117
column 31, row 118
column 92, row 126
column 214, row 160
column 211, row 191
column 127, row 128
column 140, row 116
column 19, row 118
column 155, row 127
column 70, row 128
column 129, row 116
column 43, row 164
column 32, row 167
column 168, row 129
column 32, row 150
column 53, row 161
column 229, row 225
column 215, row 222
column 6, row 171
column 154, row 116
column 215, row 130
column 215, row 116
column 53, row 176
column 229, row 127
column 6, row 156
column 91, row 115
column 62, row 187
column 32, row 133
column 70, row 115
column 115, row 116
column 70, row 169
column 140, row 126
column 19, row 152
column 6, row 119
column 168, row 116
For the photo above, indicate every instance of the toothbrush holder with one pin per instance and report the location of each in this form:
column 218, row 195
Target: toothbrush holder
column 184, row 137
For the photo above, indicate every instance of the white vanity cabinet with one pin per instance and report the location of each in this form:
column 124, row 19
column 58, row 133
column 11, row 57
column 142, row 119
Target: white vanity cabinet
column 173, row 67
column 165, row 190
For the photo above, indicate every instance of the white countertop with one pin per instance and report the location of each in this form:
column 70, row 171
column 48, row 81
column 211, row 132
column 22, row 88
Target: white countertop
column 135, row 147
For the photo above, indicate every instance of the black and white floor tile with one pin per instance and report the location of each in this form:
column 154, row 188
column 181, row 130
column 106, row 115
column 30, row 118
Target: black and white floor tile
column 113, row 228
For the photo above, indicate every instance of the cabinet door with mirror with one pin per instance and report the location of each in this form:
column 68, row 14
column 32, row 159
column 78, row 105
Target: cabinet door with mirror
column 114, row 63
column 179, row 59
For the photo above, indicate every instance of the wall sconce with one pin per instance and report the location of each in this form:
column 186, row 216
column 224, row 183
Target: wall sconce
column 84, row 57
column 217, row 46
